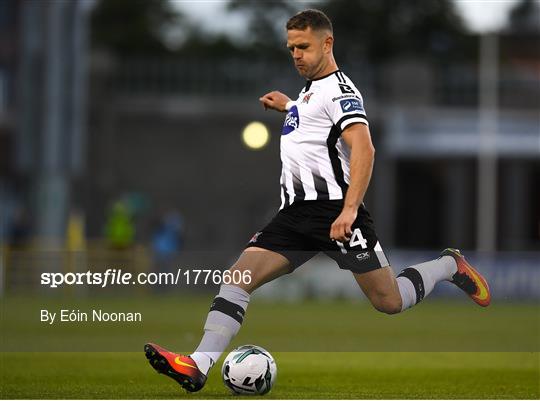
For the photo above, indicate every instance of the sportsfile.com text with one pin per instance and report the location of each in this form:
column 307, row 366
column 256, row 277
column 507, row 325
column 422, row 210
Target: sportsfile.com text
column 118, row 277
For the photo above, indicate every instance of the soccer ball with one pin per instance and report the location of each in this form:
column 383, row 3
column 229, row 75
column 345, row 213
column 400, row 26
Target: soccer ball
column 249, row 369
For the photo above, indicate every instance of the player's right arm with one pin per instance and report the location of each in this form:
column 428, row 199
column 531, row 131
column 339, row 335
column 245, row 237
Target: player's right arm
column 358, row 138
column 275, row 100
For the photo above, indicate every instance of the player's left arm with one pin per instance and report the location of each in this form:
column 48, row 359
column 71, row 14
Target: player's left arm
column 358, row 138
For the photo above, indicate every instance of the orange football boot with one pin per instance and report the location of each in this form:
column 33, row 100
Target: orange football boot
column 181, row 368
column 468, row 279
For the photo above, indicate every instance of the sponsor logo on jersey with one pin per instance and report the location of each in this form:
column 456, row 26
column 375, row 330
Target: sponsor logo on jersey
column 348, row 105
column 345, row 97
column 362, row 256
column 307, row 97
column 292, row 121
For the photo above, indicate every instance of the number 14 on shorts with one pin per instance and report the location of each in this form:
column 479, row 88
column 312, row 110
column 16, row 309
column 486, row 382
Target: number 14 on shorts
column 356, row 239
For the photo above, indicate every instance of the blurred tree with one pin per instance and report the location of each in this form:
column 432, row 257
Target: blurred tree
column 379, row 30
column 215, row 47
column 373, row 30
column 131, row 27
column 266, row 28
column 525, row 17
column 520, row 41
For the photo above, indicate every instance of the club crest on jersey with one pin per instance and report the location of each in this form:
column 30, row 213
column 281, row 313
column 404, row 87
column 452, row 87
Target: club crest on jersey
column 348, row 105
column 255, row 237
column 292, row 121
column 307, row 97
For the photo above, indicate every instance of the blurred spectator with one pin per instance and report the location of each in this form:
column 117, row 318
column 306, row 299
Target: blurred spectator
column 167, row 243
column 19, row 231
column 75, row 238
column 120, row 230
column 167, row 239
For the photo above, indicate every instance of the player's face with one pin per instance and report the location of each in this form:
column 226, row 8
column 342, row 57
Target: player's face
column 308, row 50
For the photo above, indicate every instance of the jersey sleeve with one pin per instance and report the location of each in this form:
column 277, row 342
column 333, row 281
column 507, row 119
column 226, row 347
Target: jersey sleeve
column 344, row 105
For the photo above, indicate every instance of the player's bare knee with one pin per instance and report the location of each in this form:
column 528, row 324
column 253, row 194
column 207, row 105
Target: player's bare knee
column 388, row 305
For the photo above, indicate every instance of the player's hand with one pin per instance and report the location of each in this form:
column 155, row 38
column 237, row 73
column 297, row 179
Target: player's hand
column 275, row 100
column 341, row 228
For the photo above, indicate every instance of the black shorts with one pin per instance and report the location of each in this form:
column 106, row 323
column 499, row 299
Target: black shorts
column 302, row 230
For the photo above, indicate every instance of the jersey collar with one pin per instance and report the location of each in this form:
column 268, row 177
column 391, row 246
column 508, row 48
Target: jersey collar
column 324, row 76
column 310, row 81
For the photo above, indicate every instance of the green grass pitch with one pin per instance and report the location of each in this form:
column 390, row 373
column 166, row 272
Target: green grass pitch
column 340, row 375
column 326, row 350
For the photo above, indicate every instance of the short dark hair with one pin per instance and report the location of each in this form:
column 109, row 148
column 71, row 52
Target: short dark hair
column 314, row 19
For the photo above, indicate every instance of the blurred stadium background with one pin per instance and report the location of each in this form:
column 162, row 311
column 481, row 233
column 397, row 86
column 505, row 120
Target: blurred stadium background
column 122, row 145
column 121, row 126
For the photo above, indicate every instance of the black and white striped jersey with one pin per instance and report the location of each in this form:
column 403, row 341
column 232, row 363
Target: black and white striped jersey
column 314, row 157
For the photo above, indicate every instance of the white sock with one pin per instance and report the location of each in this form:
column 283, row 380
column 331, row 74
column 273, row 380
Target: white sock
column 416, row 282
column 203, row 361
column 222, row 324
column 407, row 292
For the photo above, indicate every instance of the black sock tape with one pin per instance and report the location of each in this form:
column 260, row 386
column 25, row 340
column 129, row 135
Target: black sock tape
column 414, row 276
column 229, row 308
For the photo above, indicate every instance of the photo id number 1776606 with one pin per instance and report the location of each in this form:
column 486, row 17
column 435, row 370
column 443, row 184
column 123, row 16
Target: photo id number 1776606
column 217, row 277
